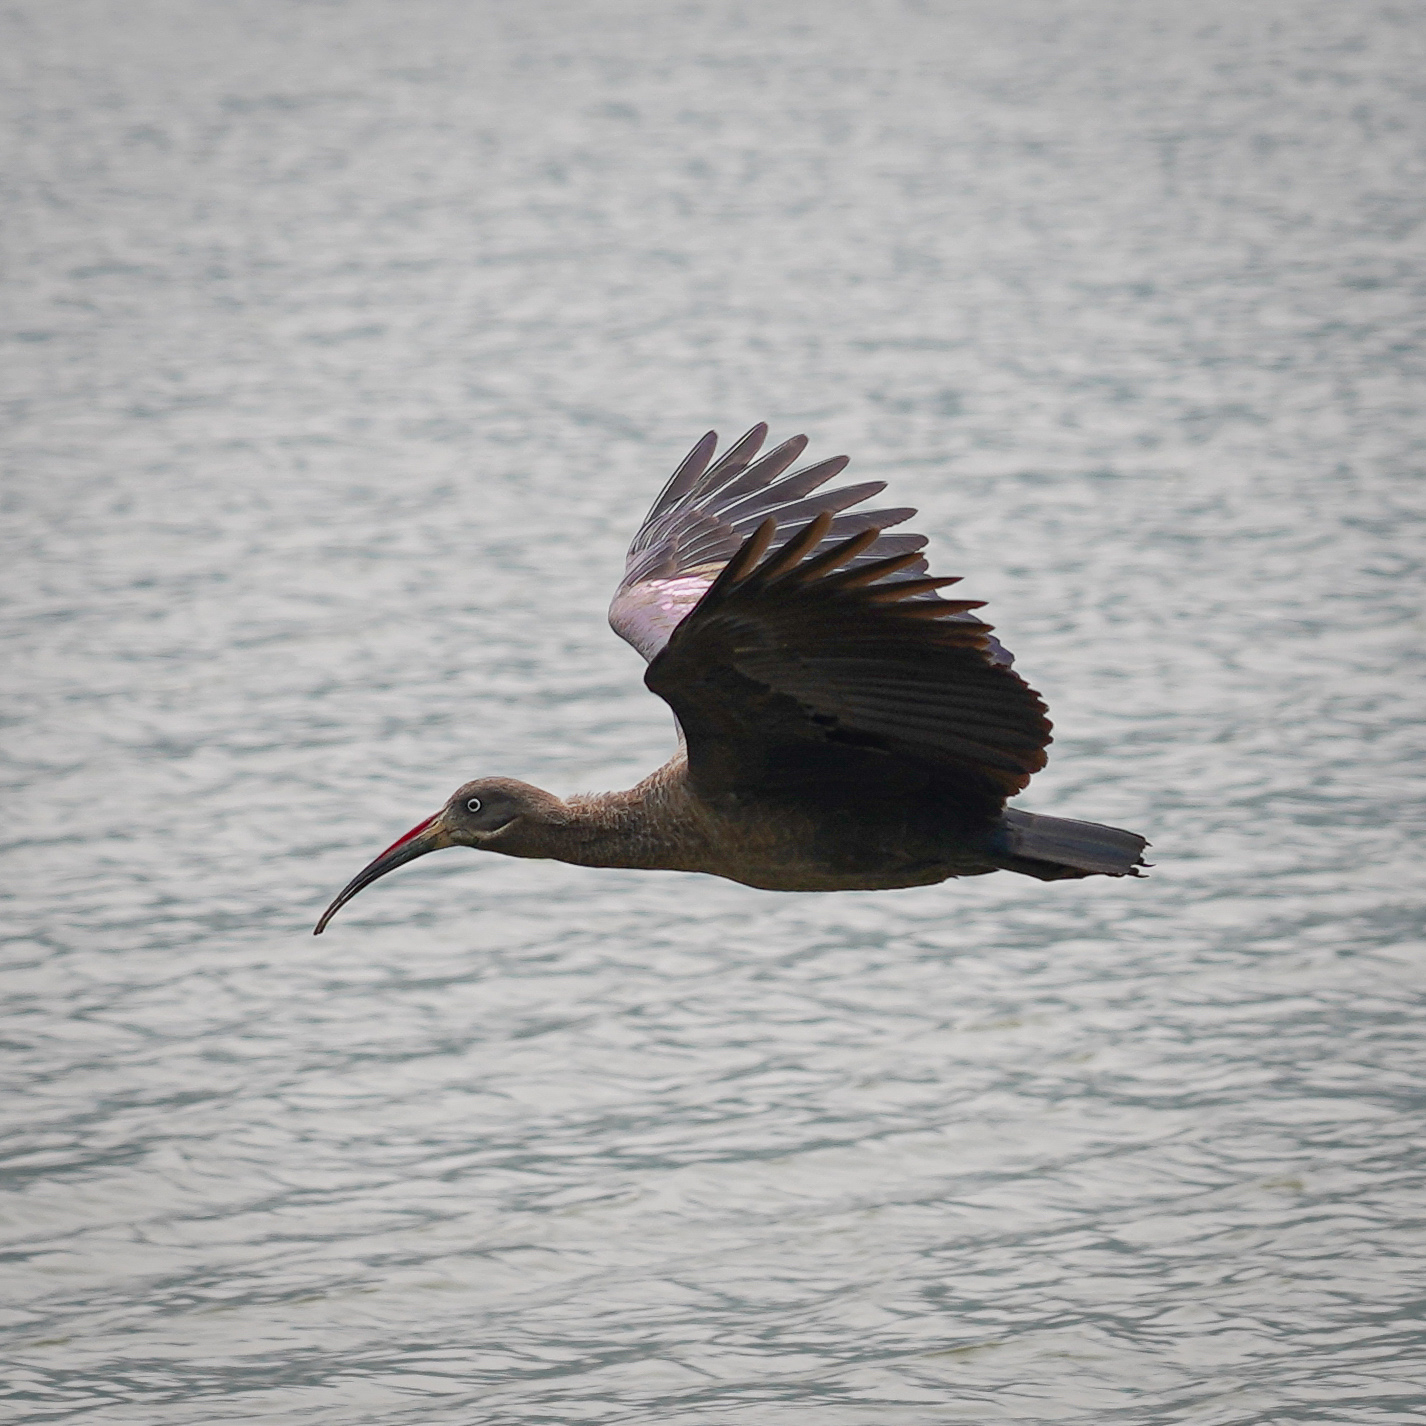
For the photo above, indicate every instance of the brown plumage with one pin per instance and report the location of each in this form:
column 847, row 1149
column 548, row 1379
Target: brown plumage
column 842, row 725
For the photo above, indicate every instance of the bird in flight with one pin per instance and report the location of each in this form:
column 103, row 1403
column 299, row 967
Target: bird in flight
column 842, row 726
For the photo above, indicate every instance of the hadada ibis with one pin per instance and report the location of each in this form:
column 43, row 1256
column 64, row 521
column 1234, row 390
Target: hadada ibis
column 842, row 726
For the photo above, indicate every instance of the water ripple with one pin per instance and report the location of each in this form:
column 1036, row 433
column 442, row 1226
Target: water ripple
column 344, row 346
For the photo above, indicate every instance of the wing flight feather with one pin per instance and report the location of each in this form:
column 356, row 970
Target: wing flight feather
column 709, row 508
column 800, row 662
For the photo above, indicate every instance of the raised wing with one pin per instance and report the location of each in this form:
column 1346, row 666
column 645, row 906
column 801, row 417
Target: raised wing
column 709, row 508
column 813, row 672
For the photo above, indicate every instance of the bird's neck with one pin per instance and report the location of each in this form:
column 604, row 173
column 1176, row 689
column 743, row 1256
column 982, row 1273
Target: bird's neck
column 654, row 826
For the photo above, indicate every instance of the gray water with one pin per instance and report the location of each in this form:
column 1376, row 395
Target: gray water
column 344, row 345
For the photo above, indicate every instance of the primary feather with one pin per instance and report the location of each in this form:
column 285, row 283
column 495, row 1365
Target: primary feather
column 707, row 510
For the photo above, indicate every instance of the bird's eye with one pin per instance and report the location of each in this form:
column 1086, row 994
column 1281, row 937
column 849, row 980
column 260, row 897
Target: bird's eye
column 472, row 804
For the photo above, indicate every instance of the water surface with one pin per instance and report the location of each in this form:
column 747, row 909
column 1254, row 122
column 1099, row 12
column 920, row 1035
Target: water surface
column 344, row 345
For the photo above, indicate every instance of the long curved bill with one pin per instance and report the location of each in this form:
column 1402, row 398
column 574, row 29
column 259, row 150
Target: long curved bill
column 427, row 836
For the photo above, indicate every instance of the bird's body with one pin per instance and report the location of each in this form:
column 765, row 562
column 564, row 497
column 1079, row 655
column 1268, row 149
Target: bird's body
column 775, row 844
column 843, row 727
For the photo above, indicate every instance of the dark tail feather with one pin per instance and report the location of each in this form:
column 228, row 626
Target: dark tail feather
column 1056, row 848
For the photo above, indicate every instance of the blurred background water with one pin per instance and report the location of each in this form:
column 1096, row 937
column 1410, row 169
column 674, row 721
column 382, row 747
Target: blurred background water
column 344, row 345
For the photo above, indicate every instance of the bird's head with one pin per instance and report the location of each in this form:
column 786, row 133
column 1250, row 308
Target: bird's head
column 489, row 813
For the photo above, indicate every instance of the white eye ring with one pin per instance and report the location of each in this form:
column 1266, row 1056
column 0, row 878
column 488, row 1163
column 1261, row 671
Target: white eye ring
column 472, row 804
